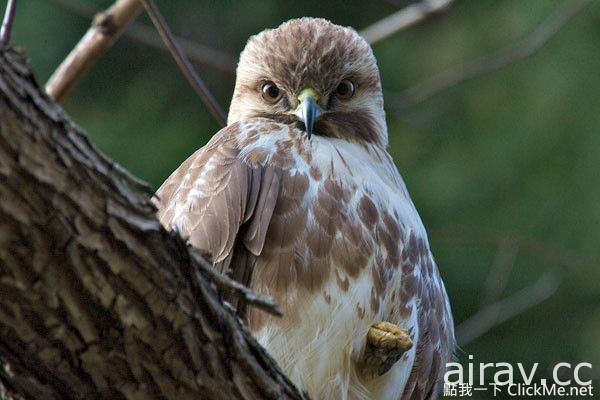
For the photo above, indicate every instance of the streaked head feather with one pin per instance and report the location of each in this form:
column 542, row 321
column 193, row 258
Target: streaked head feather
column 312, row 52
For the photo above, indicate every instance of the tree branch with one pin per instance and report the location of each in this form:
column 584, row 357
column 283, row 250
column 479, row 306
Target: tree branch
column 183, row 62
column 402, row 19
column 197, row 52
column 488, row 63
column 500, row 272
column 505, row 309
column 7, row 22
column 98, row 300
column 550, row 252
column 228, row 285
column 105, row 29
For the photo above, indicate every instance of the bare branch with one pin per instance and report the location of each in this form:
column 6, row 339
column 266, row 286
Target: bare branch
column 7, row 23
column 183, row 62
column 197, row 52
column 552, row 253
column 489, row 63
column 508, row 308
column 405, row 18
column 503, row 264
column 223, row 282
column 105, row 29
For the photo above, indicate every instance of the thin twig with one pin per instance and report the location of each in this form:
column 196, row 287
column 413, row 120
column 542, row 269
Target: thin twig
column 105, row 29
column 503, row 264
column 227, row 284
column 403, row 19
column 183, row 62
column 491, row 62
column 197, row 52
column 505, row 309
column 550, row 252
column 7, row 22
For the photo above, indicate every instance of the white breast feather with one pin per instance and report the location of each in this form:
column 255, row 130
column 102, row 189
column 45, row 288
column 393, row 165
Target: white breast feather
column 302, row 349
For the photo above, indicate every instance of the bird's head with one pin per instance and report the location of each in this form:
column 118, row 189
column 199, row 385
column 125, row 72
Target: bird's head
column 314, row 74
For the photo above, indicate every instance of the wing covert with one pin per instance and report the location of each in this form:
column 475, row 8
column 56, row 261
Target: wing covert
column 219, row 202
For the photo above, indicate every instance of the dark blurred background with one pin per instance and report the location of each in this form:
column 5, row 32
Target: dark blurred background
column 504, row 168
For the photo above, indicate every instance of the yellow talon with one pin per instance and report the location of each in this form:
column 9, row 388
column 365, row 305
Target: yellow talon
column 386, row 343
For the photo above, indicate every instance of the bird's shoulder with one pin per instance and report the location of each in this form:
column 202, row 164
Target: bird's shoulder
column 238, row 141
column 233, row 180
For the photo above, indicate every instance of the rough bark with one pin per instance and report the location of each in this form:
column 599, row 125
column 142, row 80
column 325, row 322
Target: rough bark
column 97, row 300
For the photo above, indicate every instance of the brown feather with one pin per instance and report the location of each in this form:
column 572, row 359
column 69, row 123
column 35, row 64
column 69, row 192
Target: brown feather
column 324, row 225
column 237, row 202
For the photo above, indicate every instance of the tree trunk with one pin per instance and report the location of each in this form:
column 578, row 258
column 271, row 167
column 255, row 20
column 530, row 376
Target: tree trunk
column 97, row 300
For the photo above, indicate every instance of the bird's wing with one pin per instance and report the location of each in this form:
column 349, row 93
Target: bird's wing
column 221, row 204
column 435, row 342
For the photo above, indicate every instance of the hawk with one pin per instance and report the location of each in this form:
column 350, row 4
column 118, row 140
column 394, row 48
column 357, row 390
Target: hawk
column 298, row 199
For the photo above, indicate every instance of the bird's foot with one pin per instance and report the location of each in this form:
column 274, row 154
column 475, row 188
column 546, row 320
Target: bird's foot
column 386, row 343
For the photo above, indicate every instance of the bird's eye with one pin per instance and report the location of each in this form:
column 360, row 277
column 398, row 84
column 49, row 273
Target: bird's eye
column 345, row 89
column 270, row 92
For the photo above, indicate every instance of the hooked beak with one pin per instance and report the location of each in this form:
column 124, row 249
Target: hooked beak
column 308, row 111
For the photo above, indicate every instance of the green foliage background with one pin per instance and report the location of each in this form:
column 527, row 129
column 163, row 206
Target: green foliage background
column 511, row 157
